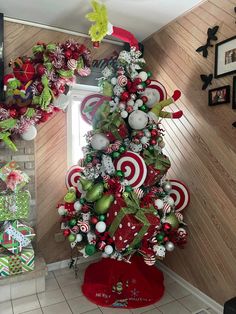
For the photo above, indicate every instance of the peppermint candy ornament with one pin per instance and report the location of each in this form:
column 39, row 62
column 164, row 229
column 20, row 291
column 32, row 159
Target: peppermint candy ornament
column 134, row 168
column 122, row 80
column 149, row 260
column 72, row 64
column 180, row 195
column 72, row 177
column 84, row 226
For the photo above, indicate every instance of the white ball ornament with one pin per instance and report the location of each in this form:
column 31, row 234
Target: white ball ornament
column 61, row 210
column 99, row 141
column 159, row 203
column 77, row 206
column 108, row 249
column 113, row 81
column 122, row 105
column 144, row 140
column 143, row 75
column 100, row 226
column 138, row 120
column 169, row 246
column 139, row 102
column 124, row 114
column 79, row 237
column 130, row 102
column 30, row 134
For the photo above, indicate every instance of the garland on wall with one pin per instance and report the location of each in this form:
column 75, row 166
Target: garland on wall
column 35, row 87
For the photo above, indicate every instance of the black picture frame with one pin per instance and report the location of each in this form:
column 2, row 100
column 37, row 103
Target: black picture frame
column 234, row 93
column 2, row 94
column 214, row 99
column 221, row 57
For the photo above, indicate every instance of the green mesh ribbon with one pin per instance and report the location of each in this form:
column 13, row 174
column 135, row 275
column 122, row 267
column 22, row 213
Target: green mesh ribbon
column 14, row 205
column 111, row 125
column 159, row 161
column 132, row 208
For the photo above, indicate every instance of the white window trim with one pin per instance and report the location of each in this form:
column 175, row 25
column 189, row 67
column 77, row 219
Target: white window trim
column 78, row 92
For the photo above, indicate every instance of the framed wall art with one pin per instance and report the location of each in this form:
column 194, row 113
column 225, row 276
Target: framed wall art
column 234, row 93
column 219, row 95
column 225, row 57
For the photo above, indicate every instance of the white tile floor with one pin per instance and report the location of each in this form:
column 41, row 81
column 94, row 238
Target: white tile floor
column 63, row 296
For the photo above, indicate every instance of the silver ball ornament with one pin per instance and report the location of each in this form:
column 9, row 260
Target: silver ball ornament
column 169, row 246
column 138, row 120
column 167, row 186
column 77, row 206
column 99, row 141
column 108, row 249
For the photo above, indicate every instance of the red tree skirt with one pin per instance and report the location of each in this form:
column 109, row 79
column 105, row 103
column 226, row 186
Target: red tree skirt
column 119, row 284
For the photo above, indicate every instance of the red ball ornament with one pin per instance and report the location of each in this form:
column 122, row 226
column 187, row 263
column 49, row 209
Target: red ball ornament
column 148, row 81
column 166, row 239
column 40, row 69
column 22, row 110
column 129, row 109
column 144, row 99
column 166, row 227
column 66, row 232
column 154, row 133
column 55, row 91
column 124, row 96
column 101, row 245
column 118, row 195
column 140, row 134
column 75, row 55
column 68, row 54
column 13, row 113
column 153, row 142
column 94, row 220
column 137, row 81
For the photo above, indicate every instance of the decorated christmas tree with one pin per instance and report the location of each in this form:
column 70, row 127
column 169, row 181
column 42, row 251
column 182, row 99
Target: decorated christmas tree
column 120, row 201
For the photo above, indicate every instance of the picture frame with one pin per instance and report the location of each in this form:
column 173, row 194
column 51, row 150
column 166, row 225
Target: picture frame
column 225, row 57
column 234, row 93
column 219, row 95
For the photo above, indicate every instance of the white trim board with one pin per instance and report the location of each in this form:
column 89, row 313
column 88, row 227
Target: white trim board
column 196, row 292
column 193, row 290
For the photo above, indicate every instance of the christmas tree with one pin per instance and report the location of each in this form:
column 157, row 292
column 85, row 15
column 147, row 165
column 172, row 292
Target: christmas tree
column 119, row 200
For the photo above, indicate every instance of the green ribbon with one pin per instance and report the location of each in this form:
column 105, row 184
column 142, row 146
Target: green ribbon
column 133, row 207
column 159, row 161
column 4, row 136
column 111, row 124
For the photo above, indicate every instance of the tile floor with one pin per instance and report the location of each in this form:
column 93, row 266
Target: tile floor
column 63, row 296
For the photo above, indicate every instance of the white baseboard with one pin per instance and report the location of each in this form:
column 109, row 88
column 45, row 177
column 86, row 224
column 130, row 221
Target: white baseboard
column 199, row 294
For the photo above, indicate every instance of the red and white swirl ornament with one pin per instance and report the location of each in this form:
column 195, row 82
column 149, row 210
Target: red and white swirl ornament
column 122, row 80
column 180, row 195
column 159, row 88
column 149, row 260
column 72, row 177
column 84, row 226
column 134, row 168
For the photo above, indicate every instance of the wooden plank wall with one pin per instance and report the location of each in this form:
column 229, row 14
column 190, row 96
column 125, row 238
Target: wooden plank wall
column 201, row 146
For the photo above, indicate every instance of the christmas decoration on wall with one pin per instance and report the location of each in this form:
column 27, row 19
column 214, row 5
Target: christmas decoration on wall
column 37, row 85
column 211, row 35
column 16, row 252
column 119, row 200
column 207, row 80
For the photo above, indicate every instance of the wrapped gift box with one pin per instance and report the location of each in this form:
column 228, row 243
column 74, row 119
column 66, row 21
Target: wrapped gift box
column 14, row 236
column 129, row 224
column 16, row 264
column 14, row 205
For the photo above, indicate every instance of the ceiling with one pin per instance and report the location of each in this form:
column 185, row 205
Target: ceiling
column 141, row 17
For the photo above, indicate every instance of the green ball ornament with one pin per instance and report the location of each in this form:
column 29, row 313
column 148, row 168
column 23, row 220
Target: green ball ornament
column 172, row 220
column 103, row 204
column 128, row 188
column 160, row 237
column 72, row 222
column 82, row 201
column 150, row 148
column 85, row 183
column 90, row 249
column 115, row 154
column 122, row 149
column 143, row 108
column 88, row 158
column 102, row 217
column 150, row 127
column 144, row 84
column 72, row 237
column 149, row 73
column 119, row 173
column 95, row 193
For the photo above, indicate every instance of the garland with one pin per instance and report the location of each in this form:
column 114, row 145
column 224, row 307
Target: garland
column 36, row 85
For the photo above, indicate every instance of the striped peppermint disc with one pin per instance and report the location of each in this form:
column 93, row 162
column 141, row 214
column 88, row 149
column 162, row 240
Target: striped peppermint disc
column 133, row 167
column 159, row 88
column 90, row 105
column 180, row 195
column 72, row 176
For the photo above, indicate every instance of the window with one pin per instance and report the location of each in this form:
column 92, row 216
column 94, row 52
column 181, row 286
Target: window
column 76, row 126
